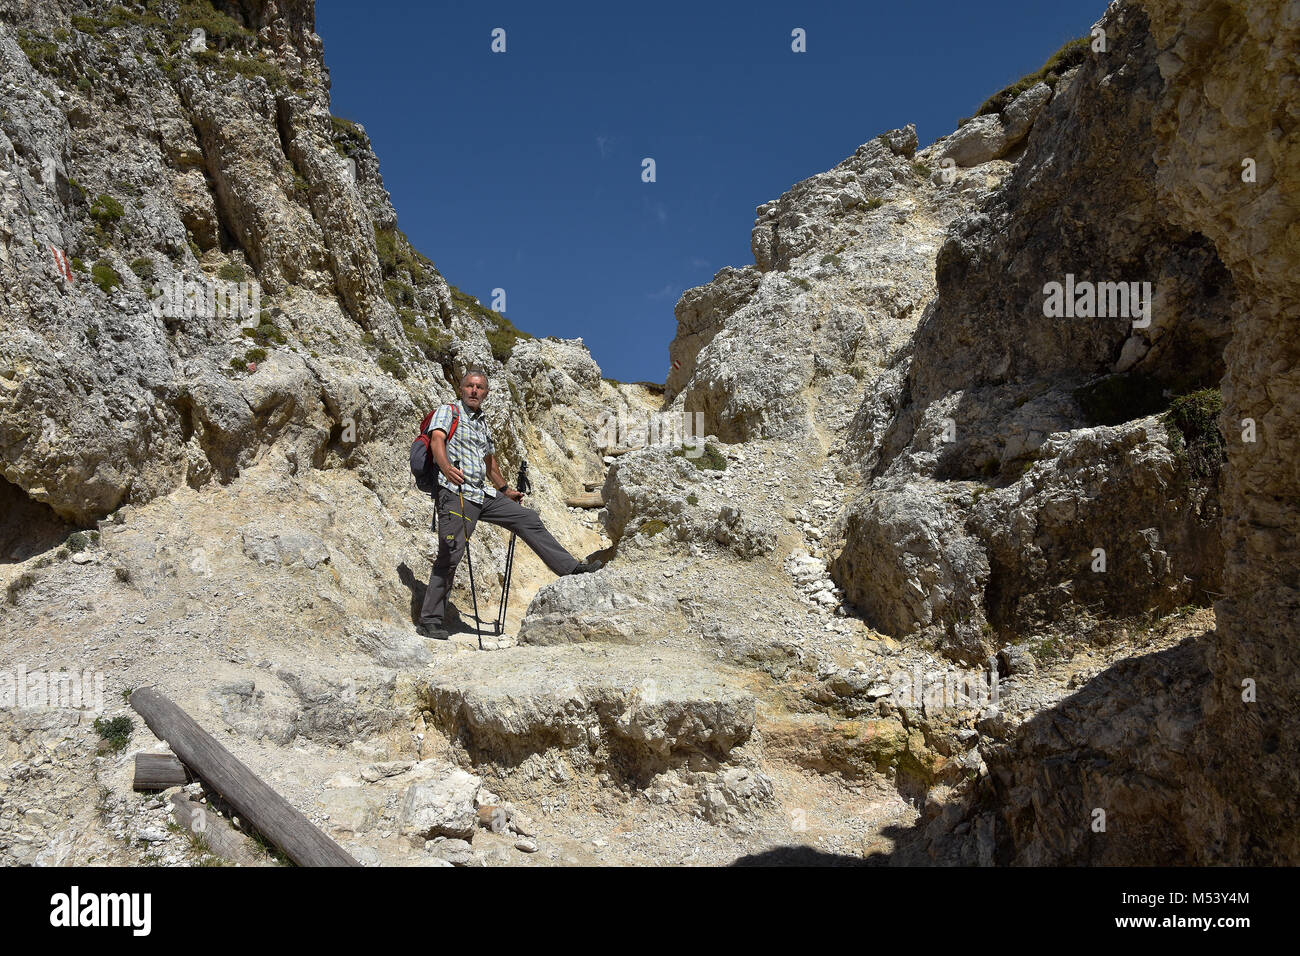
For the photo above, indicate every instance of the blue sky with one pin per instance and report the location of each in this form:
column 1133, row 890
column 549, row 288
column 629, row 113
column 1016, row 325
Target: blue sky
column 522, row 170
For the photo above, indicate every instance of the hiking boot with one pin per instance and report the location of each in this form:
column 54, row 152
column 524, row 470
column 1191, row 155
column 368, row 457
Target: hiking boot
column 432, row 632
column 586, row 567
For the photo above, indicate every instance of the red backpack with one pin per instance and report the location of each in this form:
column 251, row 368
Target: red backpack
column 423, row 467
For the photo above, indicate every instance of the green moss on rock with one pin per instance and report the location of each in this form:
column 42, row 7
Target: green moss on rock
column 711, row 459
column 1193, row 422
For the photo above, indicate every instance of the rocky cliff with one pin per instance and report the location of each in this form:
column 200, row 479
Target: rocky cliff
column 965, row 571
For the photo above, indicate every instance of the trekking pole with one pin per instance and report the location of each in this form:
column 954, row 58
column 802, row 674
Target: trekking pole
column 478, row 625
column 505, row 586
column 523, row 486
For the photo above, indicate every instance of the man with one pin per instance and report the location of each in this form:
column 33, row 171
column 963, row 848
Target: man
column 473, row 449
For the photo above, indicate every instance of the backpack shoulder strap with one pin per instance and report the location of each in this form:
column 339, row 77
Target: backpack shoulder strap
column 428, row 420
column 455, row 420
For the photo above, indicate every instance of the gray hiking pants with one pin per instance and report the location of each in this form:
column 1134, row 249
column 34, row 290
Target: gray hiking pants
column 453, row 535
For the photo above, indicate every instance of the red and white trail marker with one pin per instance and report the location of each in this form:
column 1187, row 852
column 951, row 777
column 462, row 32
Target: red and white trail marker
column 676, row 364
column 61, row 263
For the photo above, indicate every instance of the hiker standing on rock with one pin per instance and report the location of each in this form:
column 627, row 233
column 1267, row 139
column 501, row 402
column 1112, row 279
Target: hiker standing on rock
column 463, row 463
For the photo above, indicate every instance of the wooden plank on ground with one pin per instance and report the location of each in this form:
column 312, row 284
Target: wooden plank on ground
column 255, row 802
column 592, row 499
column 216, row 831
column 159, row 772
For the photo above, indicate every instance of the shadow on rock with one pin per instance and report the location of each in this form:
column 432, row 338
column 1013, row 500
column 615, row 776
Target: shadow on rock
column 1109, row 776
column 802, row 856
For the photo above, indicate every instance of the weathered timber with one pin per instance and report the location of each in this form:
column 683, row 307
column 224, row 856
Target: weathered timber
column 220, row 835
column 255, row 802
column 159, row 772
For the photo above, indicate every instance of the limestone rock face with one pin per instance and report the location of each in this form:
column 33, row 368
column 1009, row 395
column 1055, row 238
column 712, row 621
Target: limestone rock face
column 1176, row 741
column 701, row 313
column 661, row 490
column 1096, row 482
column 1078, row 203
column 843, row 266
column 342, row 336
column 912, row 568
column 1231, row 92
column 999, row 393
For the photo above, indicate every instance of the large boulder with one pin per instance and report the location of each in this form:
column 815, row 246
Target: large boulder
column 910, row 566
column 992, row 136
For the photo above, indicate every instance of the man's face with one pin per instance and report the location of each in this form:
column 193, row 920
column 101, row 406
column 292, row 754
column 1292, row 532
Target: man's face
column 472, row 392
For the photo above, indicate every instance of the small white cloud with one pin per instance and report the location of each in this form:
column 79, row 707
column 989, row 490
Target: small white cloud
column 603, row 144
column 656, row 209
column 699, row 263
column 666, row 292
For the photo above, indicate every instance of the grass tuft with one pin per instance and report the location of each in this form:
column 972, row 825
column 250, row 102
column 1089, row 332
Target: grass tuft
column 1060, row 62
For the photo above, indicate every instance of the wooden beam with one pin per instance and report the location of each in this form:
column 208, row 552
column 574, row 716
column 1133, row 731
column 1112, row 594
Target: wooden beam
column 592, row 499
column 216, row 831
column 159, row 772
column 259, row 806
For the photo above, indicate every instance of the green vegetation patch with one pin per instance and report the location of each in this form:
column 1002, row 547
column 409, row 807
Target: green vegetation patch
column 106, row 211
column 1060, row 62
column 347, row 138
column 41, row 51
column 501, row 332
column 265, row 333
column 389, row 359
column 398, row 258
column 652, row 527
column 1193, row 422
column 435, row 344
column 401, row 295
column 81, row 540
column 391, row 363
column 219, row 26
column 711, row 459
column 250, row 67
column 105, row 276
column 115, row 733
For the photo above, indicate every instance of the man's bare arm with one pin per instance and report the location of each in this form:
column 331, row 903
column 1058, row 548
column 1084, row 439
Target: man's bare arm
column 498, row 482
column 438, row 446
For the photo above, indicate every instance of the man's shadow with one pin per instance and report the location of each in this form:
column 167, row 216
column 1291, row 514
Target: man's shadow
column 454, row 621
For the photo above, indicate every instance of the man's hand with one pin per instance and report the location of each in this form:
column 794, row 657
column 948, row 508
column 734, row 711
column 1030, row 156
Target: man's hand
column 513, row 495
column 454, row 475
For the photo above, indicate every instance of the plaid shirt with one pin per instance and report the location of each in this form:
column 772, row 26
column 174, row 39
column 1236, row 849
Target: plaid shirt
column 471, row 443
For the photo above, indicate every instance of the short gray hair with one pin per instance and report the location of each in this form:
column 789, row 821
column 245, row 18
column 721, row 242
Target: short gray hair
column 475, row 373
